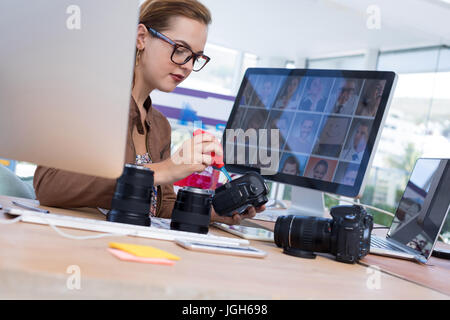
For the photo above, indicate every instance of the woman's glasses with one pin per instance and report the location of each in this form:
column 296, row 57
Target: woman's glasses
column 181, row 54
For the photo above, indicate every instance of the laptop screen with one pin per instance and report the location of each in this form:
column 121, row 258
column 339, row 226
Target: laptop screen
column 418, row 221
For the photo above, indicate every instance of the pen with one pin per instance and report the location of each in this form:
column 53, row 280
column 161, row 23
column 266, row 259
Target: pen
column 25, row 206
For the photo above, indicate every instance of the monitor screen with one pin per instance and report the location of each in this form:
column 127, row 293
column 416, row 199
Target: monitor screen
column 419, row 218
column 314, row 128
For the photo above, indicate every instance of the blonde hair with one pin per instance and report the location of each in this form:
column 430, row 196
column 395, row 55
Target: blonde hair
column 158, row 13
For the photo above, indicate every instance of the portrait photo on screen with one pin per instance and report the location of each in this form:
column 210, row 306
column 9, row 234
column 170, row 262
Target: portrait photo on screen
column 290, row 93
column 303, row 132
column 332, row 136
column 255, row 118
column 265, row 90
column 320, row 169
column 346, row 173
column 344, row 96
column 370, row 98
column 356, row 142
column 282, row 121
column 293, row 164
column 315, row 94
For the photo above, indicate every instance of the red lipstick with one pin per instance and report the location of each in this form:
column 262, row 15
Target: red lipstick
column 177, row 77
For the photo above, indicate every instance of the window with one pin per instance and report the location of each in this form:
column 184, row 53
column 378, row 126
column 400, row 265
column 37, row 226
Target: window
column 290, row 64
column 250, row 61
column 217, row 76
column 418, row 124
column 355, row 62
column 411, row 61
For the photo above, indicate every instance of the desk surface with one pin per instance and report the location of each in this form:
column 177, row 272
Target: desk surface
column 34, row 262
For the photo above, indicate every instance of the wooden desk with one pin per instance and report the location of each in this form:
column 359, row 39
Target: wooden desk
column 34, row 261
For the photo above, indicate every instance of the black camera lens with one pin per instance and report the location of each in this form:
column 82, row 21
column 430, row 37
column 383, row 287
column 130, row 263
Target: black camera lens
column 347, row 235
column 132, row 196
column 192, row 210
column 300, row 236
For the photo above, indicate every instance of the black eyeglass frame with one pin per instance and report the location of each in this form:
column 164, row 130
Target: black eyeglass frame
column 175, row 45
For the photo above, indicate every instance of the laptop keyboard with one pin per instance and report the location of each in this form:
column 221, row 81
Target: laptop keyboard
column 381, row 243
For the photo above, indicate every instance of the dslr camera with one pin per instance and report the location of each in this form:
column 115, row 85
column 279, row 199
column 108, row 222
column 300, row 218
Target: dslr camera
column 346, row 235
column 239, row 194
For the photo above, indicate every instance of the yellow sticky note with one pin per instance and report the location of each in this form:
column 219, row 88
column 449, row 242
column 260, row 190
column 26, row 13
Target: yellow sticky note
column 143, row 251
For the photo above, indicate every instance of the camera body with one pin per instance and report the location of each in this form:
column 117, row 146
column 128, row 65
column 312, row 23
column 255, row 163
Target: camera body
column 346, row 235
column 238, row 194
column 351, row 230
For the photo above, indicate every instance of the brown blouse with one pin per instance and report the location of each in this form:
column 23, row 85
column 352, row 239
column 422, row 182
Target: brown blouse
column 60, row 188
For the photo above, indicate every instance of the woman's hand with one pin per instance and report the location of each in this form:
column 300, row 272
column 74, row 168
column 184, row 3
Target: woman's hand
column 236, row 218
column 194, row 155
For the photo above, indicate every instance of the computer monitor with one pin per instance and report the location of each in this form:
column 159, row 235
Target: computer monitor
column 65, row 82
column 328, row 124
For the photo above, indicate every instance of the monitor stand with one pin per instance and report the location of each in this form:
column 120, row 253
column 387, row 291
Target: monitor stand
column 307, row 202
column 275, row 202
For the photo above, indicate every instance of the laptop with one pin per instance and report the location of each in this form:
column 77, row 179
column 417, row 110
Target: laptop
column 420, row 215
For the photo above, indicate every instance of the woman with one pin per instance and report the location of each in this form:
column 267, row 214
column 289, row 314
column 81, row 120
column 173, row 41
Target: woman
column 170, row 40
column 314, row 100
column 287, row 98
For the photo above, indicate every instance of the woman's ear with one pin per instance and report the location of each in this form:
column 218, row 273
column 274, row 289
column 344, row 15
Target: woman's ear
column 140, row 37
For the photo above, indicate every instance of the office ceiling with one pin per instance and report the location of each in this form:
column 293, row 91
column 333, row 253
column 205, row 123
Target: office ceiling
column 315, row 28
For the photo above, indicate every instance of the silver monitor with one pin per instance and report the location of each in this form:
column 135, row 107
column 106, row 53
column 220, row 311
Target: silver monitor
column 328, row 121
column 65, row 82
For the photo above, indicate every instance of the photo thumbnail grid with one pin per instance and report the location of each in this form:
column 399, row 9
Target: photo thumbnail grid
column 324, row 123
